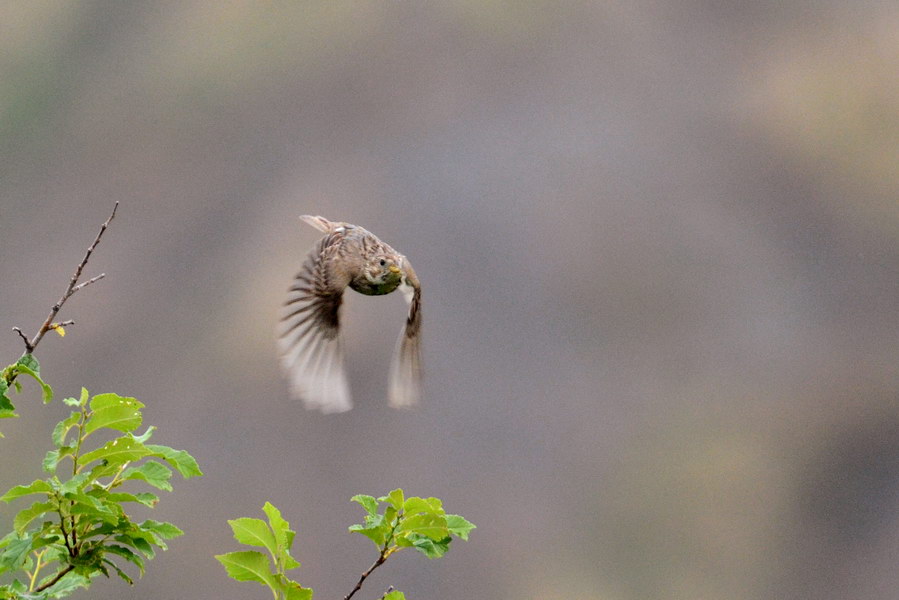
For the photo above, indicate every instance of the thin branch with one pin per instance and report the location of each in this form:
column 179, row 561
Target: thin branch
column 386, row 551
column 73, row 287
column 55, row 579
column 377, row 563
column 390, row 588
column 23, row 336
column 86, row 283
column 65, row 534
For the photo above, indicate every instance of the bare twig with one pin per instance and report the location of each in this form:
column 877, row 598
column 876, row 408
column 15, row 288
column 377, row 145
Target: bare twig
column 22, row 335
column 87, row 283
column 73, row 287
column 390, row 588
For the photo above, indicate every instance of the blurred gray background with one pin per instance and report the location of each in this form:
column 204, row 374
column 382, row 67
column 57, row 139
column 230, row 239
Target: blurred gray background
column 659, row 245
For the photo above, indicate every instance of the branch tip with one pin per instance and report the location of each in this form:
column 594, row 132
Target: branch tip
column 73, row 287
column 28, row 346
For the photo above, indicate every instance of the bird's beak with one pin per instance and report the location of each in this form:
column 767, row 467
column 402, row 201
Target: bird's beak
column 394, row 269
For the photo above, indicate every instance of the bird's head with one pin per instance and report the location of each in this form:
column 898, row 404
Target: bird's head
column 383, row 269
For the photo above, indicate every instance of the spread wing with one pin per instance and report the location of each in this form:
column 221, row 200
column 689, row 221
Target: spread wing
column 309, row 340
column 405, row 371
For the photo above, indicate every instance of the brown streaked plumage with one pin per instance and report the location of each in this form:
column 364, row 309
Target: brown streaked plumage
column 309, row 338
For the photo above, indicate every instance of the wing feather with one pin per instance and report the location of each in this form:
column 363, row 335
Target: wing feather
column 309, row 340
column 405, row 370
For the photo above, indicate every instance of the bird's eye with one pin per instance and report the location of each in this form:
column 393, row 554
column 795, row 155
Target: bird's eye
column 383, row 262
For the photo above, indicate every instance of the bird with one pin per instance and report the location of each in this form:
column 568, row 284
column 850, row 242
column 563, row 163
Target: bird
column 309, row 340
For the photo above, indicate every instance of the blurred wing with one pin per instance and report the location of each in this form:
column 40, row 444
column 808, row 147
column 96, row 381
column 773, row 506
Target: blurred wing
column 405, row 372
column 309, row 340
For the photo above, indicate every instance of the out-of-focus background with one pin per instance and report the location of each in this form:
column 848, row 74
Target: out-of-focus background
column 659, row 244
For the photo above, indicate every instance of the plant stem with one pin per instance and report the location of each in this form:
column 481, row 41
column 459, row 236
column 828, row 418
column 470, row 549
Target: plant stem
column 115, row 478
column 377, row 563
column 65, row 534
column 386, row 551
column 37, row 569
column 81, row 436
column 75, row 467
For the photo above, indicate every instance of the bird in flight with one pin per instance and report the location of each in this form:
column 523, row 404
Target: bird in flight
column 309, row 338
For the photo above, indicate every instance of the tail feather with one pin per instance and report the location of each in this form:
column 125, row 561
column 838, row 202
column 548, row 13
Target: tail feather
column 320, row 223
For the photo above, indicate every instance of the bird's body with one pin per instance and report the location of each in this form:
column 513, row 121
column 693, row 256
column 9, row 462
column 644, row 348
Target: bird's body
column 311, row 347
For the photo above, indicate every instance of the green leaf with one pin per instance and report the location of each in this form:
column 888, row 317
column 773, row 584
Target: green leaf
column 247, row 566
column 75, row 484
column 18, row 587
column 38, row 486
column 117, row 452
column 376, row 534
column 5, row 403
column 94, row 509
column 26, row 516
column 8, row 538
column 63, row 427
column 95, row 566
column 294, row 591
column 54, row 456
column 15, row 553
column 104, row 469
column 432, row 526
column 142, row 438
column 82, row 401
column 254, row 532
column 24, row 367
column 152, row 472
column 29, row 362
column 42, row 539
column 372, row 521
column 429, row 547
column 396, row 499
column 287, row 561
column 119, row 571
column 181, row 460
column 127, row 554
column 144, row 498
column 280, row 528
column 137, row 541
column 166, row 531
column 415, row 505
column 395, row 595
column 114, row 412
column 459, row 526
column 367, row 502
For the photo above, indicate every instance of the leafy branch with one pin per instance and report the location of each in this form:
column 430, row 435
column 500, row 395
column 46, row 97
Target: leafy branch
column 405, row 523
column 419, row 523
column 79, row 526
column 83, row 521
column 250, row 565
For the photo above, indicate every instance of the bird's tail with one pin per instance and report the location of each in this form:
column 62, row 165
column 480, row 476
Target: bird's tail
column 320, row 223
